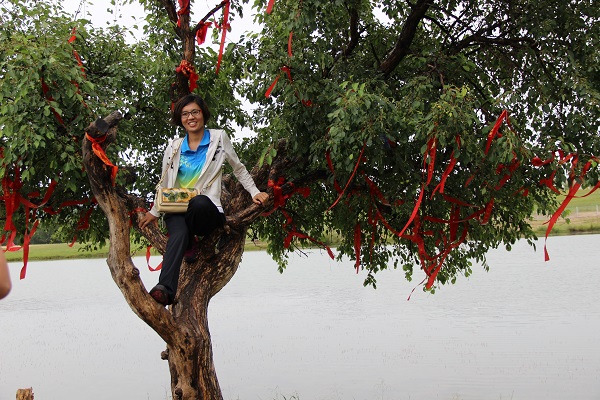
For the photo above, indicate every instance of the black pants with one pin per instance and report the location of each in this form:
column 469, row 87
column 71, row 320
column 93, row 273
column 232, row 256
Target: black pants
column 201, row 218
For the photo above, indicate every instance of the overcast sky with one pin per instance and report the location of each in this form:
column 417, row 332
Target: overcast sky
column 102, row 13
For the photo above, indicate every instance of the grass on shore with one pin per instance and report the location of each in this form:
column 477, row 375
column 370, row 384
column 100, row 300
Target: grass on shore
column 62, row 251
column 583, row 217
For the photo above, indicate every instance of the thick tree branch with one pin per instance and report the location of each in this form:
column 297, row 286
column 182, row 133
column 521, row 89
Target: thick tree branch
column 407, row 35
column 207, row 16
column 122, row 269
column 169, row 6
column 352, row 43
column 354, row 36
column 480, row 39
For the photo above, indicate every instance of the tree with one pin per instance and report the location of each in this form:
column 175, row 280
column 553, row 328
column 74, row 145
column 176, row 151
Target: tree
column 422, row 134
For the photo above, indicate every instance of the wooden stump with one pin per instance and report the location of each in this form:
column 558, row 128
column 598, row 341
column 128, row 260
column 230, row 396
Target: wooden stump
column 25, row 394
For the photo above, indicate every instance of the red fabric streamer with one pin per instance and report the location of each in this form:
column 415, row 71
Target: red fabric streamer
column 202, row 31
column 26, row 241
column 288, row 72
column 73, row 37
column 538, row 162
column 84, row 219
column 224, row 28
column 511, row 168
column 12, row 200
column 270, row 6
column 99, row 152
column 279, row 199
column 270, row 89
column 336, row 185
column 415, row 210
column 184, row 9
column 76, row 55
column 440, row 186
column 187, row 69
column 572, row 191
column 549, row 182
column 45, row 91
column 430, row 155
column 375, row 191
column 360, row 159
column 292, row 232
column 488, row 212
column 495, row 130
column 357, row 240
column 148, row 261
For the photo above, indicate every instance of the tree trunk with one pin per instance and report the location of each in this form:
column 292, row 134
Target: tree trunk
column 184, row 326
column 25, row 394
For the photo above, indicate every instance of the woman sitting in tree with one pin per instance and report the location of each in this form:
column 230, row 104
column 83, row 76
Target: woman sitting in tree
column 194, row 161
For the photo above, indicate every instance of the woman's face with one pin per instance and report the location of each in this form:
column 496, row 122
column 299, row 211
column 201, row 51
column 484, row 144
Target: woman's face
column 192, row 119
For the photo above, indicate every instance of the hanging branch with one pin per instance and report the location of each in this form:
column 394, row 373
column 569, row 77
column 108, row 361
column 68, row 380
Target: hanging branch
column 207, row 16
column 407, row 35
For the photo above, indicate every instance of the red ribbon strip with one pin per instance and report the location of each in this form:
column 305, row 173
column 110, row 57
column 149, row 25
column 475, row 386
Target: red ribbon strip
column 280, row 199
column 271, row 87
column 270, row 6
column 184, row 8
column 224, row 28
column 99, row 152
column 201, row 32
column 148, row 261
column 357, row 242
column 495, row 130
column 12, row 199
column 360, row 159
column 290, row 44
column 292, row 232
column 188, row 70
column 336, row 185
column 285, row 69
column 570, row 195
column 76, row 54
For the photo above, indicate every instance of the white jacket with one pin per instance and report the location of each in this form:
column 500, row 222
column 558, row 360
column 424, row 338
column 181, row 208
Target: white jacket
column 209, row 183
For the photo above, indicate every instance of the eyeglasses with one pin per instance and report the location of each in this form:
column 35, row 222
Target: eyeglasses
column 194, row 113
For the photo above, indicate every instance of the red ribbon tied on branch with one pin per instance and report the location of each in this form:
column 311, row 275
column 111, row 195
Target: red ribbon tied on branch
column 184, row 9
column 285, row 69
column 12, row 200
column 187, row 69
column 99, row 152
column 202, row 31
column 224, row 26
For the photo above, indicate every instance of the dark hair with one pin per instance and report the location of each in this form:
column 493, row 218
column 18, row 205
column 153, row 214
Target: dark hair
column 184, row 101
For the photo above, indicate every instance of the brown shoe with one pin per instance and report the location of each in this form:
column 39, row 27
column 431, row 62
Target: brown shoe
column 159, row 293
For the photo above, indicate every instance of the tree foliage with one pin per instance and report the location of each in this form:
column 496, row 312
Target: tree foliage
column 414, row 87
column 421, row 134
column 374, row 99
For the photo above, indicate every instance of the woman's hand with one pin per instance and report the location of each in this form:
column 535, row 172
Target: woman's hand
column 260, row 198
column 147, row 220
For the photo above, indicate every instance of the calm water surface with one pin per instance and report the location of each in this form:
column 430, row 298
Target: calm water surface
column 525, row 330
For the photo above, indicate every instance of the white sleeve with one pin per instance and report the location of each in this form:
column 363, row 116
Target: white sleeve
column 239, row 170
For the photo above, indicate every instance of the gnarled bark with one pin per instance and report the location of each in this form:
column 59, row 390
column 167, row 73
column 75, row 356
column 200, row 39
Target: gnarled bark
column 184, row 326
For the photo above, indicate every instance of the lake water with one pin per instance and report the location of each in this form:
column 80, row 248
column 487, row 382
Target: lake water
column 528, row 329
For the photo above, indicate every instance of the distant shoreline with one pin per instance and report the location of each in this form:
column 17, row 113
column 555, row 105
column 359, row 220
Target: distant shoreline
column 581, row 224
column 62, row 251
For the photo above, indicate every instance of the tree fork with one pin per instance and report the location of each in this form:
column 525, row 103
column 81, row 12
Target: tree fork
column 185, row 328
